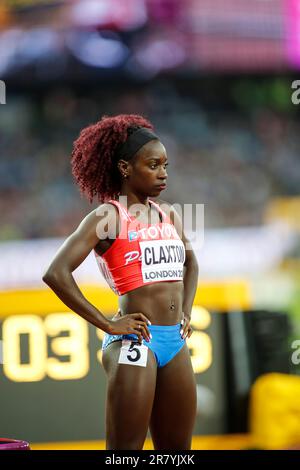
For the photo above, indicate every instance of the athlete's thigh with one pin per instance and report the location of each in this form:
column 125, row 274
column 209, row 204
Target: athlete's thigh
column 130, row 395
column 174, row 409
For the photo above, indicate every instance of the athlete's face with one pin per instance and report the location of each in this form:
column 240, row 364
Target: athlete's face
column 148, row 169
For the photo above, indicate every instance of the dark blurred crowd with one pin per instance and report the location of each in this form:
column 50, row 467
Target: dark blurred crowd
column 234, row 162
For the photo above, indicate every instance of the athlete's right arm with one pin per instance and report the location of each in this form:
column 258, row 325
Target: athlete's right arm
column 71, row 254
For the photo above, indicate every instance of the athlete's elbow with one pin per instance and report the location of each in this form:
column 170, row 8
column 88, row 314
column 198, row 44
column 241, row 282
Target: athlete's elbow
column 46, row 278
column 51, row 277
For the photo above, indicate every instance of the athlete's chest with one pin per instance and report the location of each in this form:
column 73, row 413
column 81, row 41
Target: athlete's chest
column 151, row 217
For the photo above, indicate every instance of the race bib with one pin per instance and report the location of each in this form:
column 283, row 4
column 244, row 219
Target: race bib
column 162, row 260
column 133, row 353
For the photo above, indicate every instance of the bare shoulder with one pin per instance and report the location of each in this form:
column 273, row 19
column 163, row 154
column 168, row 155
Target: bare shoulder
column 106, row 209
column 105, row 212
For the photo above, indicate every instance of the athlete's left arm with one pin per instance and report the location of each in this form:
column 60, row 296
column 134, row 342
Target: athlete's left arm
column 191, row 270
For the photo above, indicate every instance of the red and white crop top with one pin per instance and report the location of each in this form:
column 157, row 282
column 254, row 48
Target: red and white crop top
column 142, row 253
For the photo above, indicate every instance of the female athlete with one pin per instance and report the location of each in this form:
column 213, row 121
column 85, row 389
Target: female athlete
column 142, row 251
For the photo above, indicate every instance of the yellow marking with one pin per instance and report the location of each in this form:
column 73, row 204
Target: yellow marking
column 223, row 442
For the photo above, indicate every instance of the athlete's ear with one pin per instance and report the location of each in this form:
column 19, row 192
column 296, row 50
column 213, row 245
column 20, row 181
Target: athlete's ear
column 124, row 168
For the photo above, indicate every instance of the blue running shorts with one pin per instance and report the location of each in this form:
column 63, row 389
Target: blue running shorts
column 165, row 343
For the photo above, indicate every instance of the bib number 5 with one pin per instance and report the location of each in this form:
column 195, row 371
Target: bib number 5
column 133, row 354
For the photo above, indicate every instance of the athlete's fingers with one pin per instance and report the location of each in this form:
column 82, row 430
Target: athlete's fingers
column 141, row 316
column 183, row 326
column 184, row 333
column 190, row 332
column 145, row 319
column 145, row 328
column 137, row 332
column 185, row 330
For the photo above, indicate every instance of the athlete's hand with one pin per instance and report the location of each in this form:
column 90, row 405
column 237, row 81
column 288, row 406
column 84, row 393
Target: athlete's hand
column 186, row 329
column 132, row 323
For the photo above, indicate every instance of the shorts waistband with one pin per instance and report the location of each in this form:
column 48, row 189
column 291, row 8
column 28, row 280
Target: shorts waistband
column 165, row 327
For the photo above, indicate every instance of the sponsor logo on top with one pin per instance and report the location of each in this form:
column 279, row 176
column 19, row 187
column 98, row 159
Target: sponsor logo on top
column 132, row 235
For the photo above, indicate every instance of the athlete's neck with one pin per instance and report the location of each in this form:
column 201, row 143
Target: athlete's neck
column 133, row 198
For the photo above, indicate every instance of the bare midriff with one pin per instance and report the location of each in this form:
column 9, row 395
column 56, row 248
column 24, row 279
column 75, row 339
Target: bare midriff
column 160, row 302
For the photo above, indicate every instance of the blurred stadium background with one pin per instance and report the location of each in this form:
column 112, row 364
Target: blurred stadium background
column 216, row 78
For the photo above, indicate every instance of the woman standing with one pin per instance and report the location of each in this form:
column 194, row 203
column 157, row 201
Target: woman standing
column 146, row 262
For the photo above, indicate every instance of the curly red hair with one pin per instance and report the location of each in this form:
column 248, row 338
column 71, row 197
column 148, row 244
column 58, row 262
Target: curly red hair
column 93, row 165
